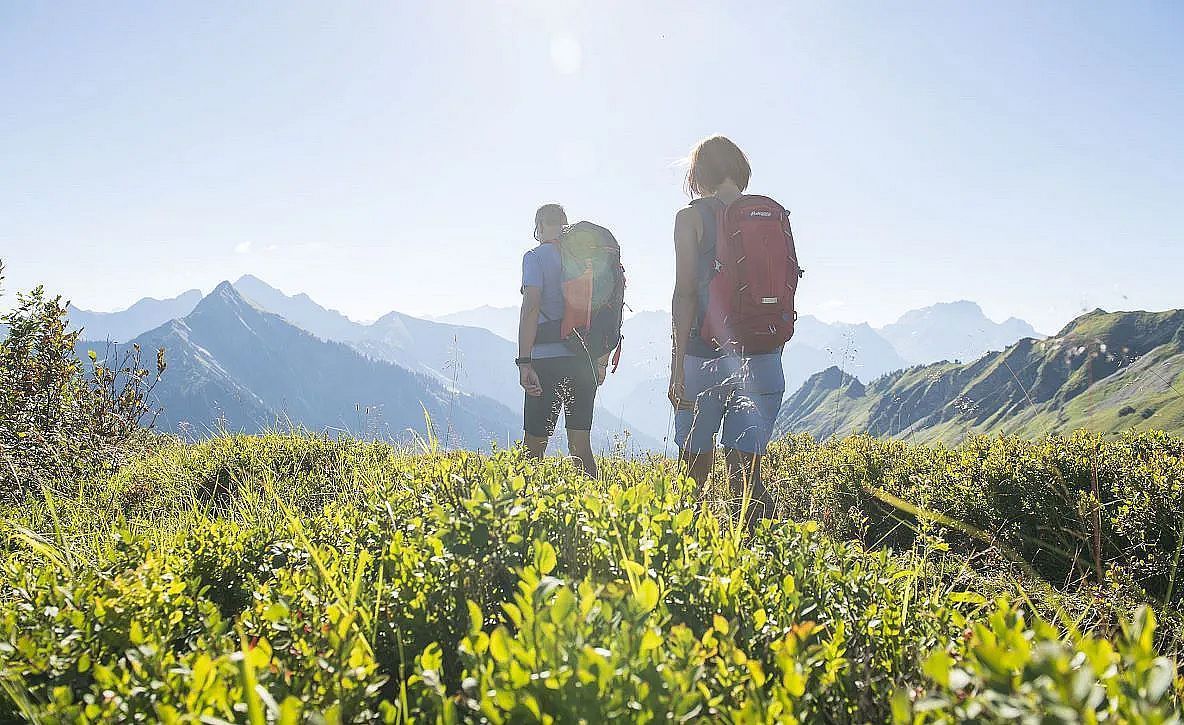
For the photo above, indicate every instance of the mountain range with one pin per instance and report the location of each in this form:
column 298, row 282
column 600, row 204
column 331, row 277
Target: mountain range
column 637, row 391
column 1106, row 371
column 252, row 356
column 246, row 386
column 469, row 359
column 140, row 317
column 236, row 366
column 949, row 330
column 952, row 331
column 501, row 321
column 460, row 352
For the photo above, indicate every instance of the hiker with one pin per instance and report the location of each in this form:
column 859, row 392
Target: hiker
column 557, row 370
column 736, row 274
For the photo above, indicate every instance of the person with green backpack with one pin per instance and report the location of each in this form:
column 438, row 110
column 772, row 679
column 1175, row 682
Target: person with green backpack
column 570, row 323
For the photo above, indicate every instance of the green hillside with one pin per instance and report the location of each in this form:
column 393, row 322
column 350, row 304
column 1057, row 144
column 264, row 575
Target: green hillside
column 300, row 579
column 1106, row 372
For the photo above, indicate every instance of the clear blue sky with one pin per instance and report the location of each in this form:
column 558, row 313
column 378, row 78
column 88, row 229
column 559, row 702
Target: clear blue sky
column 386, row 155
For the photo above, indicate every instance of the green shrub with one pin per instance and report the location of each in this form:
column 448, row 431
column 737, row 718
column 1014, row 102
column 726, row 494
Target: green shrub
column 291, row 578
column 1072, row 510
column 61, row 421
column 1013, row 672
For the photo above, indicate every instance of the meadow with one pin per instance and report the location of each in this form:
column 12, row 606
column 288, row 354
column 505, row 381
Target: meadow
column 294, row 578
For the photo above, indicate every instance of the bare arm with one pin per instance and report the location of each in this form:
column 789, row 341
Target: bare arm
column 528, row 319
column 528, row 328
column 687, row 231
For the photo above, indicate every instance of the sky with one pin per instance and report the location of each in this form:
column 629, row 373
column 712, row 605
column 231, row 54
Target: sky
column 390, row 155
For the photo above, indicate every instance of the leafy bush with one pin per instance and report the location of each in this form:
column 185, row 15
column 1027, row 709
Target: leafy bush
column 1075, row 510
column 1011, row 672
column 292, row 578
column 59, row 421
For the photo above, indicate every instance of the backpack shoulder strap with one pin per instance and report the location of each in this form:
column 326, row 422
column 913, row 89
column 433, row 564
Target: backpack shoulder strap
column 709, row 210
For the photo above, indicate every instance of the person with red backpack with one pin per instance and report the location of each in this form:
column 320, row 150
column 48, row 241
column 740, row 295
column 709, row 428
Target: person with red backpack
column 736, row 274
column 572, row 302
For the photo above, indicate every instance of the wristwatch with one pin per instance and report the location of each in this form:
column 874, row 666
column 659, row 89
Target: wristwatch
column 523, row 361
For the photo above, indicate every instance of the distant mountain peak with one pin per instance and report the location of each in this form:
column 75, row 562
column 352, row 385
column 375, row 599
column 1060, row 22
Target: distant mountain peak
column 957, row 330
column 1082, row 320
column 1031, row 386
column 225, row 291
column 834, row 378
column 145, row 314
column 480, row 308
column 233, row 361
column 967, row 305
column 388, row 318
column 226, row 300
column 299, row 309
column 189, row 294
column 252, row 279
column 959, row 308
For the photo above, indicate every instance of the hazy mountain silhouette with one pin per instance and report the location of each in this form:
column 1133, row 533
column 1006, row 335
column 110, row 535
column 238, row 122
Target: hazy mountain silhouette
column 475, row 358
column 638, row 389
column 123, row 325
column 439, row 350
column 501, row 321
column 229, row 359
column 952, row 331
column 955, row 330
column 300, row 310
column 856, row 348
column 1104, row 371
column 470, row 359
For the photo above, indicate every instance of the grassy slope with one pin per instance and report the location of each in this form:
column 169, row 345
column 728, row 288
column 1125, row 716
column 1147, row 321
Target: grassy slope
column 304, row 577
column 1096, row 367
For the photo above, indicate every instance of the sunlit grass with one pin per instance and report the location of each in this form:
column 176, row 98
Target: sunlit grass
column 261, row 578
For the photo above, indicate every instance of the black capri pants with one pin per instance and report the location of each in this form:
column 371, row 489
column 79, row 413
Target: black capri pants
column 568, row 383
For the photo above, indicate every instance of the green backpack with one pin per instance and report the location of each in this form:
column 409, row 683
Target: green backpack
column 593, row 292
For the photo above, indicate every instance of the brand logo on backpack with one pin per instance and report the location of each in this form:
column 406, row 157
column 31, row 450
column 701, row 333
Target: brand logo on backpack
column 760, row 212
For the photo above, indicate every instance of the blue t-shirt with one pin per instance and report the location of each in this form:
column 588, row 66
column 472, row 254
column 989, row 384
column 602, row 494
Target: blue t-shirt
column 541, row 267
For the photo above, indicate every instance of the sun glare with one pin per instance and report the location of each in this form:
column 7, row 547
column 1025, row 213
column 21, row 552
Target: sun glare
column 566, row 54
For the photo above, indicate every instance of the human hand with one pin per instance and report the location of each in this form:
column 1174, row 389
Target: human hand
column 529, row 380
column 677, row 390
column 601, row 372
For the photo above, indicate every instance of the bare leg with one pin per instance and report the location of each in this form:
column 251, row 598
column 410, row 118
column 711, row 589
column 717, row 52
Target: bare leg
column 744, row 477
column 698, row 467
column 536, row 446
column 579, row 444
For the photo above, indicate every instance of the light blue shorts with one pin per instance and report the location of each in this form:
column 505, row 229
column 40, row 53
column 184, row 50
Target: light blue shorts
column 741, row 394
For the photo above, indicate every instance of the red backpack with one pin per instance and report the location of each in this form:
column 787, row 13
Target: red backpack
column 747, row 291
